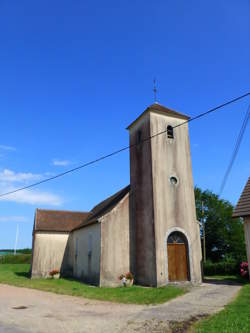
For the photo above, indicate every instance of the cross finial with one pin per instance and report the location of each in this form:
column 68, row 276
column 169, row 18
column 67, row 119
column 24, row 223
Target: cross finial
column 155, row 91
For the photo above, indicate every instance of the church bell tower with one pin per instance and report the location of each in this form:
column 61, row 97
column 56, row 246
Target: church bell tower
column 163, row 215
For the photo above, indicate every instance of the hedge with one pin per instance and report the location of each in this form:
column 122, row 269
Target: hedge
column 221, row 268
column 15, row 259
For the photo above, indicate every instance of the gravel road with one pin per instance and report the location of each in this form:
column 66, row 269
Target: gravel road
column 25, row 310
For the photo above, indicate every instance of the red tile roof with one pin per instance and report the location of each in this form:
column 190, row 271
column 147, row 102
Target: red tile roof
column 58, row 221
column 67, row 221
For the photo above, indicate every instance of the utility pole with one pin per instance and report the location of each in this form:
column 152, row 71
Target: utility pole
column 204, row 232
column 17, row 233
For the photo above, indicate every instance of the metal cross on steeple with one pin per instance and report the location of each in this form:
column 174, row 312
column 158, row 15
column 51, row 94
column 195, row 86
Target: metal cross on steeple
column 155, row 91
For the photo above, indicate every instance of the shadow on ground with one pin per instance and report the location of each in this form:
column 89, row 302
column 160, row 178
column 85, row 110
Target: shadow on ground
column 23, row 274
column 226, row 281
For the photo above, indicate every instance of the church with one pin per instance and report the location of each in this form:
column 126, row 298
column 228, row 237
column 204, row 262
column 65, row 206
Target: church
column 148, row 228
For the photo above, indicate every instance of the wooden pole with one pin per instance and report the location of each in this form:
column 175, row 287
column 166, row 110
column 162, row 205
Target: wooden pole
column 204, row 232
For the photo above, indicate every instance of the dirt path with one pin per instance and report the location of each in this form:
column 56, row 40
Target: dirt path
column 36, row 311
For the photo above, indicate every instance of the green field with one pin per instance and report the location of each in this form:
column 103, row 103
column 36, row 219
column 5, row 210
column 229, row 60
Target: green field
column 18, row 275
column 234, row 318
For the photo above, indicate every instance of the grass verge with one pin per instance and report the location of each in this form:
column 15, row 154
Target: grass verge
column 236, row 315
column 18, row 275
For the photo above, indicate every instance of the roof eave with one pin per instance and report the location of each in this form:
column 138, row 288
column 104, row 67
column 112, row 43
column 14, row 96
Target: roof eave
column 151, row 109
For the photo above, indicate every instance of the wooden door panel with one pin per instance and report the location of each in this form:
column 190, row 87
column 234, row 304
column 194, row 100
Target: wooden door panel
column 177, row 262
column 181, row 262
column 171, row 262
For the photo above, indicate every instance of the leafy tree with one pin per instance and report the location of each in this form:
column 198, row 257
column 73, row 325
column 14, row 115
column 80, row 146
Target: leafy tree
column 224, row 235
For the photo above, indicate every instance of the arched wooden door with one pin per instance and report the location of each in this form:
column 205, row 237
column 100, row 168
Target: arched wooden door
column 177, row 257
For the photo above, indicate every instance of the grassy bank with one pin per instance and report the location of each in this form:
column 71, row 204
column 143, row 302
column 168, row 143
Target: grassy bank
column 234, row 318
column 17, row 275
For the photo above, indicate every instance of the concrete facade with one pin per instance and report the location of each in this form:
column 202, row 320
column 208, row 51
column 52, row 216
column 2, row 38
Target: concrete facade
column 86, row 243
column 160, row 206
column 48, row 252
column 115, row 244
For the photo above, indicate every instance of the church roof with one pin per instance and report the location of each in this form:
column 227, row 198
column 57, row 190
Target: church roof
column 67, row 221
column 158, row 108
column 104, row 207
column 243, row 206
column 58, row 220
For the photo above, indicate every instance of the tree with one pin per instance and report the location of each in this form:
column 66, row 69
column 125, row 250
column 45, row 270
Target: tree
column 224, row 235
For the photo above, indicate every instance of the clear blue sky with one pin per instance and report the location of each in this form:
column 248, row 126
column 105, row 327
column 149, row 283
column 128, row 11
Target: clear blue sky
column 74, row 74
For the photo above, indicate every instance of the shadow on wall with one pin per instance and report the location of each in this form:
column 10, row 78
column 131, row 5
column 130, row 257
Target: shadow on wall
column 71, row 265
column 67, row 267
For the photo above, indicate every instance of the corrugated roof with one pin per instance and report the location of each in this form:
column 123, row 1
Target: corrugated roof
column 104, row 207
column 162, row 109
column 243, row 206
column 58, row 220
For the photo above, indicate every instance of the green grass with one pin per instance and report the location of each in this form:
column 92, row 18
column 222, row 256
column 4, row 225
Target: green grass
column 17, row 275
column 236, row 315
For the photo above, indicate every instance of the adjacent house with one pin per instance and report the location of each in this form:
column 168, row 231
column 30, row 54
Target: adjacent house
column 148, row 227
column 242, row 210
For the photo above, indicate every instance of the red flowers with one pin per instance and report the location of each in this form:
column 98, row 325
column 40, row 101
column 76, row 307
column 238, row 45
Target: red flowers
column 244, row 269
column 127, row 276
column 54, row 272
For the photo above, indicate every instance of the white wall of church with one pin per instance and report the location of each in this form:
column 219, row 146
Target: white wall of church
column 48, row 252
column 115, row 249
column 86, row 253
column 174, row 205
column 247, row 239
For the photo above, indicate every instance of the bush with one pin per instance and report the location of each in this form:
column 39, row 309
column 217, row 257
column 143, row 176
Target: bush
column 221, row 268
column 15, row 259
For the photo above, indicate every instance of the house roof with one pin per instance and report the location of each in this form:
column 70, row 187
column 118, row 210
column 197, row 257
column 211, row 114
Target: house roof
column 158, row 108
column 104, row 207
column 58, row 221
column 243, row 206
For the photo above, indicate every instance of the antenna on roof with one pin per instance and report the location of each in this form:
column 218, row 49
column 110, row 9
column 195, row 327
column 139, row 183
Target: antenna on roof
column 155, row 92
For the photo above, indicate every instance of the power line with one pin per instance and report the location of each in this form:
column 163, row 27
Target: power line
column 123, row 149
column 236, row 149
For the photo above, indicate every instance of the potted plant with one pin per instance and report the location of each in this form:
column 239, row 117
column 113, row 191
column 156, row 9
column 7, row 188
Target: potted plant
column 54, row 274
column 127, row 279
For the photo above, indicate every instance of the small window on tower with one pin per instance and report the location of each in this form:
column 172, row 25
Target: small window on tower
column 170, row 132
column 138, row 138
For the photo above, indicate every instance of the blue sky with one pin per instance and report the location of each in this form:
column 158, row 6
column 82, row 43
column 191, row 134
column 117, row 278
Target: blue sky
column 74, row 74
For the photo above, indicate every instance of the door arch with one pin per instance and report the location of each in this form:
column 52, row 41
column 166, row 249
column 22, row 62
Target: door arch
column 178, row 263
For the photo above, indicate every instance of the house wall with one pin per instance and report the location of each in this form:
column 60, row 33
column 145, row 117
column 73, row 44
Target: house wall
column 48, row 252
column 247, row 239
column 174, row 205
column 86, row 251
column 115, row 249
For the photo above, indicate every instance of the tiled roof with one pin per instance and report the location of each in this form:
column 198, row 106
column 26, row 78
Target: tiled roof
column 243, row 206
column 161, row 109
column 66, row 221
column 58, row 221
column 104, row 207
